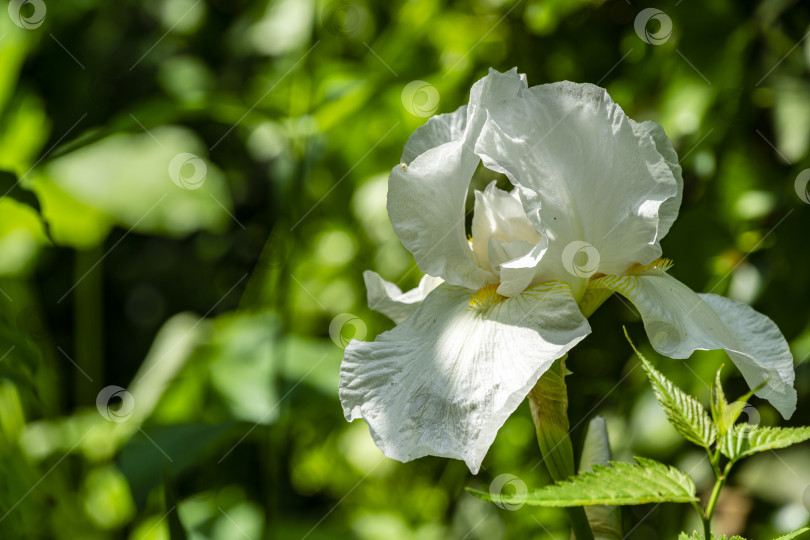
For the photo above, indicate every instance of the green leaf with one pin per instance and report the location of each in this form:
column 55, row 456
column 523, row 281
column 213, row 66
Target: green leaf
column 605, row 521
column 685, row 413
column 719, row 405
column 618, row 484
column 732, row 411
column 10, row 187
column 794, row 534
column 744, row 440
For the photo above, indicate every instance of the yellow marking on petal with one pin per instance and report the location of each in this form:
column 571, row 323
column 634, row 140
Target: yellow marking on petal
column 485, row 297
column 593, row 298
column 404, row 167
column 658, row 266
column 620, row 284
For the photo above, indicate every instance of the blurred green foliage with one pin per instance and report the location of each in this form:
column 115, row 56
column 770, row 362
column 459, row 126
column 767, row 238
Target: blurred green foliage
column 210, row 304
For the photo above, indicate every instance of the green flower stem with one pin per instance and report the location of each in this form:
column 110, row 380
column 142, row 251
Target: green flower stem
column 721, row 477
column 549, row 404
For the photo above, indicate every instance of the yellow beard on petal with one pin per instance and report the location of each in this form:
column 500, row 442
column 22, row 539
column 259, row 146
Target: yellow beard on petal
column 485, row 297
column 658, row 266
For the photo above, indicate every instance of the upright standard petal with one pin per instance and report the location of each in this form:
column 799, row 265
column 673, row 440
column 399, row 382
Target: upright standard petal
column 386, row 298
column 499, row 222
column 444, row 381
column 587, row 174
column 426, row 208
column 427, row 192
column 668, row 211
column 440, row 129
column 679, row 321
column 504, row 240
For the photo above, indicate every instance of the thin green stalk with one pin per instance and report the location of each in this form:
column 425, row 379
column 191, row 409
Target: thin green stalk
column 706, row 516
column 549, row 404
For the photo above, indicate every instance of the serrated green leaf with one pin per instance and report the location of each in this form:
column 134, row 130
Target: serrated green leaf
column 685, row 413
column 605, row 521
column 794, row 534
column 719, row 405
column 744, row 440
column 648, row 481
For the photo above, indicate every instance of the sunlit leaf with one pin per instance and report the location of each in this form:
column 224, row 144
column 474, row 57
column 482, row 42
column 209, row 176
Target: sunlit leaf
column 158, row 182
column 685, row 413
column 618, row 484
column 794, row 534
column 743, row 439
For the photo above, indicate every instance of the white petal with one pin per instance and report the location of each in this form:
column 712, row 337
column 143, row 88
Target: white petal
column 443, row 382
column 499, row 215
column 444, row 128
column 426, row 196
column 585, row 171
column 440, row 129
column 668, row 211
column 678, row 322
column 519, row 273
column 426, row 208
column 761, row 351
column 388, row 299
column 504, row 240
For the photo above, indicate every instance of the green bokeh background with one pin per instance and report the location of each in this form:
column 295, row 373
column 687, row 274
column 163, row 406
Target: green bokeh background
column 211, row 307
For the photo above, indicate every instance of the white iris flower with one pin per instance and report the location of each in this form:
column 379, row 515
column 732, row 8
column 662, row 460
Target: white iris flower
column 594, row 193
